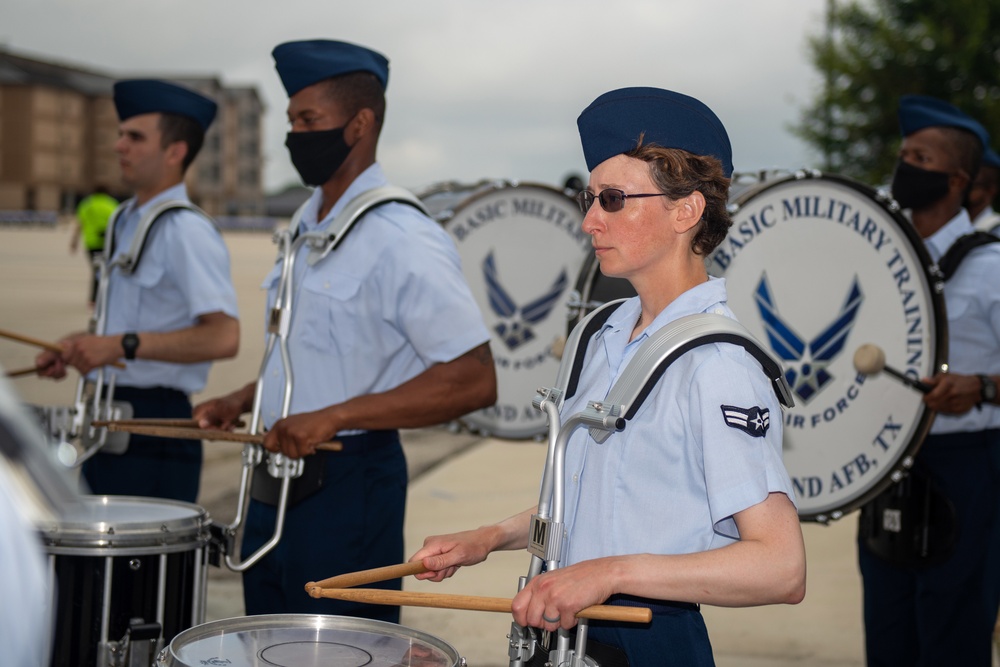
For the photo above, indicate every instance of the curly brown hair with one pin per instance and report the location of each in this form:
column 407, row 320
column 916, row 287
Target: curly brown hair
column 677, row 173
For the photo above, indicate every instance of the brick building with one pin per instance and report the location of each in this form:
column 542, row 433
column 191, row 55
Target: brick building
column 58, row 127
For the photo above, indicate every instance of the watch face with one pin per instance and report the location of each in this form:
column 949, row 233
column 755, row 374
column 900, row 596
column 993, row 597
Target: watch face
column 989, row 391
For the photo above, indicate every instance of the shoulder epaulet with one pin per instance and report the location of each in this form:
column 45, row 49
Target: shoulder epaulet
column 952, row 259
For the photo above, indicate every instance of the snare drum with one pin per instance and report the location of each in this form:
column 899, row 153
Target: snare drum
column 306, row 641
column 117, row 558
column 816, row 266
column 521, row 247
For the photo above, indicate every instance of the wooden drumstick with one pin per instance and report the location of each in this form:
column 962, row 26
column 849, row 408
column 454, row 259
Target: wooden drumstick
column 199, row 434
column 44, row 344
column 600, row 612
column 21, row 372
column 870, row 360
column 352, row 579
column 160, row 421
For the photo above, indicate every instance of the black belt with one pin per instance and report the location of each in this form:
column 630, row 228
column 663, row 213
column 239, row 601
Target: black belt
column 656, row 606
column 267, row 489
column 126, row 393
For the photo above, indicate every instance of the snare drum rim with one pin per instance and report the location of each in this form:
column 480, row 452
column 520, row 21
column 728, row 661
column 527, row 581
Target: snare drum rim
column 934, row 286
column 131, row 536
column 168, row 655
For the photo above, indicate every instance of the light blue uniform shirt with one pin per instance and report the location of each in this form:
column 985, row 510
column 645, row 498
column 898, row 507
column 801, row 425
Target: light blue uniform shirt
column 671, row 482
column 183, row 273
column 972, row 299
column 387, row 304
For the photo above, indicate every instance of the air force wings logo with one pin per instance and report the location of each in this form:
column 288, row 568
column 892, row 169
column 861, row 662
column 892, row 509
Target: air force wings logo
column 513, row 329
column 754, row 421
column 806, row 369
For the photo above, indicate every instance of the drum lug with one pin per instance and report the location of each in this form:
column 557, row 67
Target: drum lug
column 521, row 645
column 137, row 647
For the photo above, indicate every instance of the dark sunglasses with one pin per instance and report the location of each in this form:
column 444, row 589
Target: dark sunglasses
column 612, row 200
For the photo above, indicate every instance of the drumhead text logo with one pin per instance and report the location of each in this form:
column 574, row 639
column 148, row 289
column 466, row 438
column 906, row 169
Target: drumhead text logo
column 815, row 267
column 807, row 369
column 522, row 248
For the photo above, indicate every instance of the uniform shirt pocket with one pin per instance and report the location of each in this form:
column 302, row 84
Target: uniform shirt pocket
column 134, row 297
column 326, row 317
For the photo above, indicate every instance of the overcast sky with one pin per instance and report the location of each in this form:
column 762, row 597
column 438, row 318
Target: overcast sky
column 476, row 89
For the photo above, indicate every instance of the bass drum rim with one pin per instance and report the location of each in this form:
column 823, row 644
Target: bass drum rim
column 934, row 287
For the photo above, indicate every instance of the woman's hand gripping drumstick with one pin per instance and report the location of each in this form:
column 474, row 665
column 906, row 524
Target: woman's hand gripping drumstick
column 472, row 603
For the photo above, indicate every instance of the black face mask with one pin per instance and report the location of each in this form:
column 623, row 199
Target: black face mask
column 317, row 155
column 916, row 188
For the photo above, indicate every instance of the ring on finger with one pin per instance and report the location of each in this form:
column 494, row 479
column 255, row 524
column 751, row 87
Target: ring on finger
column 550, row 620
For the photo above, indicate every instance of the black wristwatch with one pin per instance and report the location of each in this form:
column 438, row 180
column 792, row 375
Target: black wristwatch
column 988, row 392
column 130, row 343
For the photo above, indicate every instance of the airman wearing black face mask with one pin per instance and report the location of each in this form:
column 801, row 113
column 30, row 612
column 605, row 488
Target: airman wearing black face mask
column 384, row 334
column 936, row 603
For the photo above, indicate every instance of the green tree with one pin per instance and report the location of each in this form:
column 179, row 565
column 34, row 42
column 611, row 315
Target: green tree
column 874, row 52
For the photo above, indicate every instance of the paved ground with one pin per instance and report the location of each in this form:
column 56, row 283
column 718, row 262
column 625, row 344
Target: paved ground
column 460, row 481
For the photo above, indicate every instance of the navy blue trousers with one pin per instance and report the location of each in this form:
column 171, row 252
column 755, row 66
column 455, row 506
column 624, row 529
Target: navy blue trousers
column 157, row 467
column 939, row 615
column 676, row 637
column 354, row 522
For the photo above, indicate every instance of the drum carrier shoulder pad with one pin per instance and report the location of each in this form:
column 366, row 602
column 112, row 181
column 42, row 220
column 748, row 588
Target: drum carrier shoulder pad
column 951, row 260
column 354, row 211
column 653, row 358
column 128, row 262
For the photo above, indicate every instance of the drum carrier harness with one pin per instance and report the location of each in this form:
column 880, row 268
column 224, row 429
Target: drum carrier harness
column 911, row 523
column 602, row 418
column 278, row 489
column 94, row 398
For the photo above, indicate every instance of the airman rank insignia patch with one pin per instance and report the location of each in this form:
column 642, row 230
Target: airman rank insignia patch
column 754, row 421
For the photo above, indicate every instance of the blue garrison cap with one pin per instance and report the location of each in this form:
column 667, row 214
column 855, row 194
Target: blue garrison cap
column 138, row 96
column 614, row 122
column 301, row 64
column 991, row 158
column 919, row 111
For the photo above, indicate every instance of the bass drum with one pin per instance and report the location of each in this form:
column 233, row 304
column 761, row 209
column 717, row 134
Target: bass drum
column 521, row 246
column 817, row 265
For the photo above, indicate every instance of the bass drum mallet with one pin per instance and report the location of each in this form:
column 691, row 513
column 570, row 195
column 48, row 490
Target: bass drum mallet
column 869, row 359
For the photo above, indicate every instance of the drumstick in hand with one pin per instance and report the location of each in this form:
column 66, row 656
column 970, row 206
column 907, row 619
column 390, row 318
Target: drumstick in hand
column 870, row 360
column 44, row 344
column 199, row 434
column 602, row 612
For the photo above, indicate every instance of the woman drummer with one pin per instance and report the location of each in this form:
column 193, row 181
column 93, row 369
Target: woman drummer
column 687, row 505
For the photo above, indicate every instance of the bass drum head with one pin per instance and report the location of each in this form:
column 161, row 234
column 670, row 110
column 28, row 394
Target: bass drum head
column 521, row 247
column 305, row 641
column 816, row 266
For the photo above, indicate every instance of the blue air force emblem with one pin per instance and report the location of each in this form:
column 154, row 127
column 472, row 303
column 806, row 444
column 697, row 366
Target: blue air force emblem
column 515, row 330
column 807, row 369
column 754, row 421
